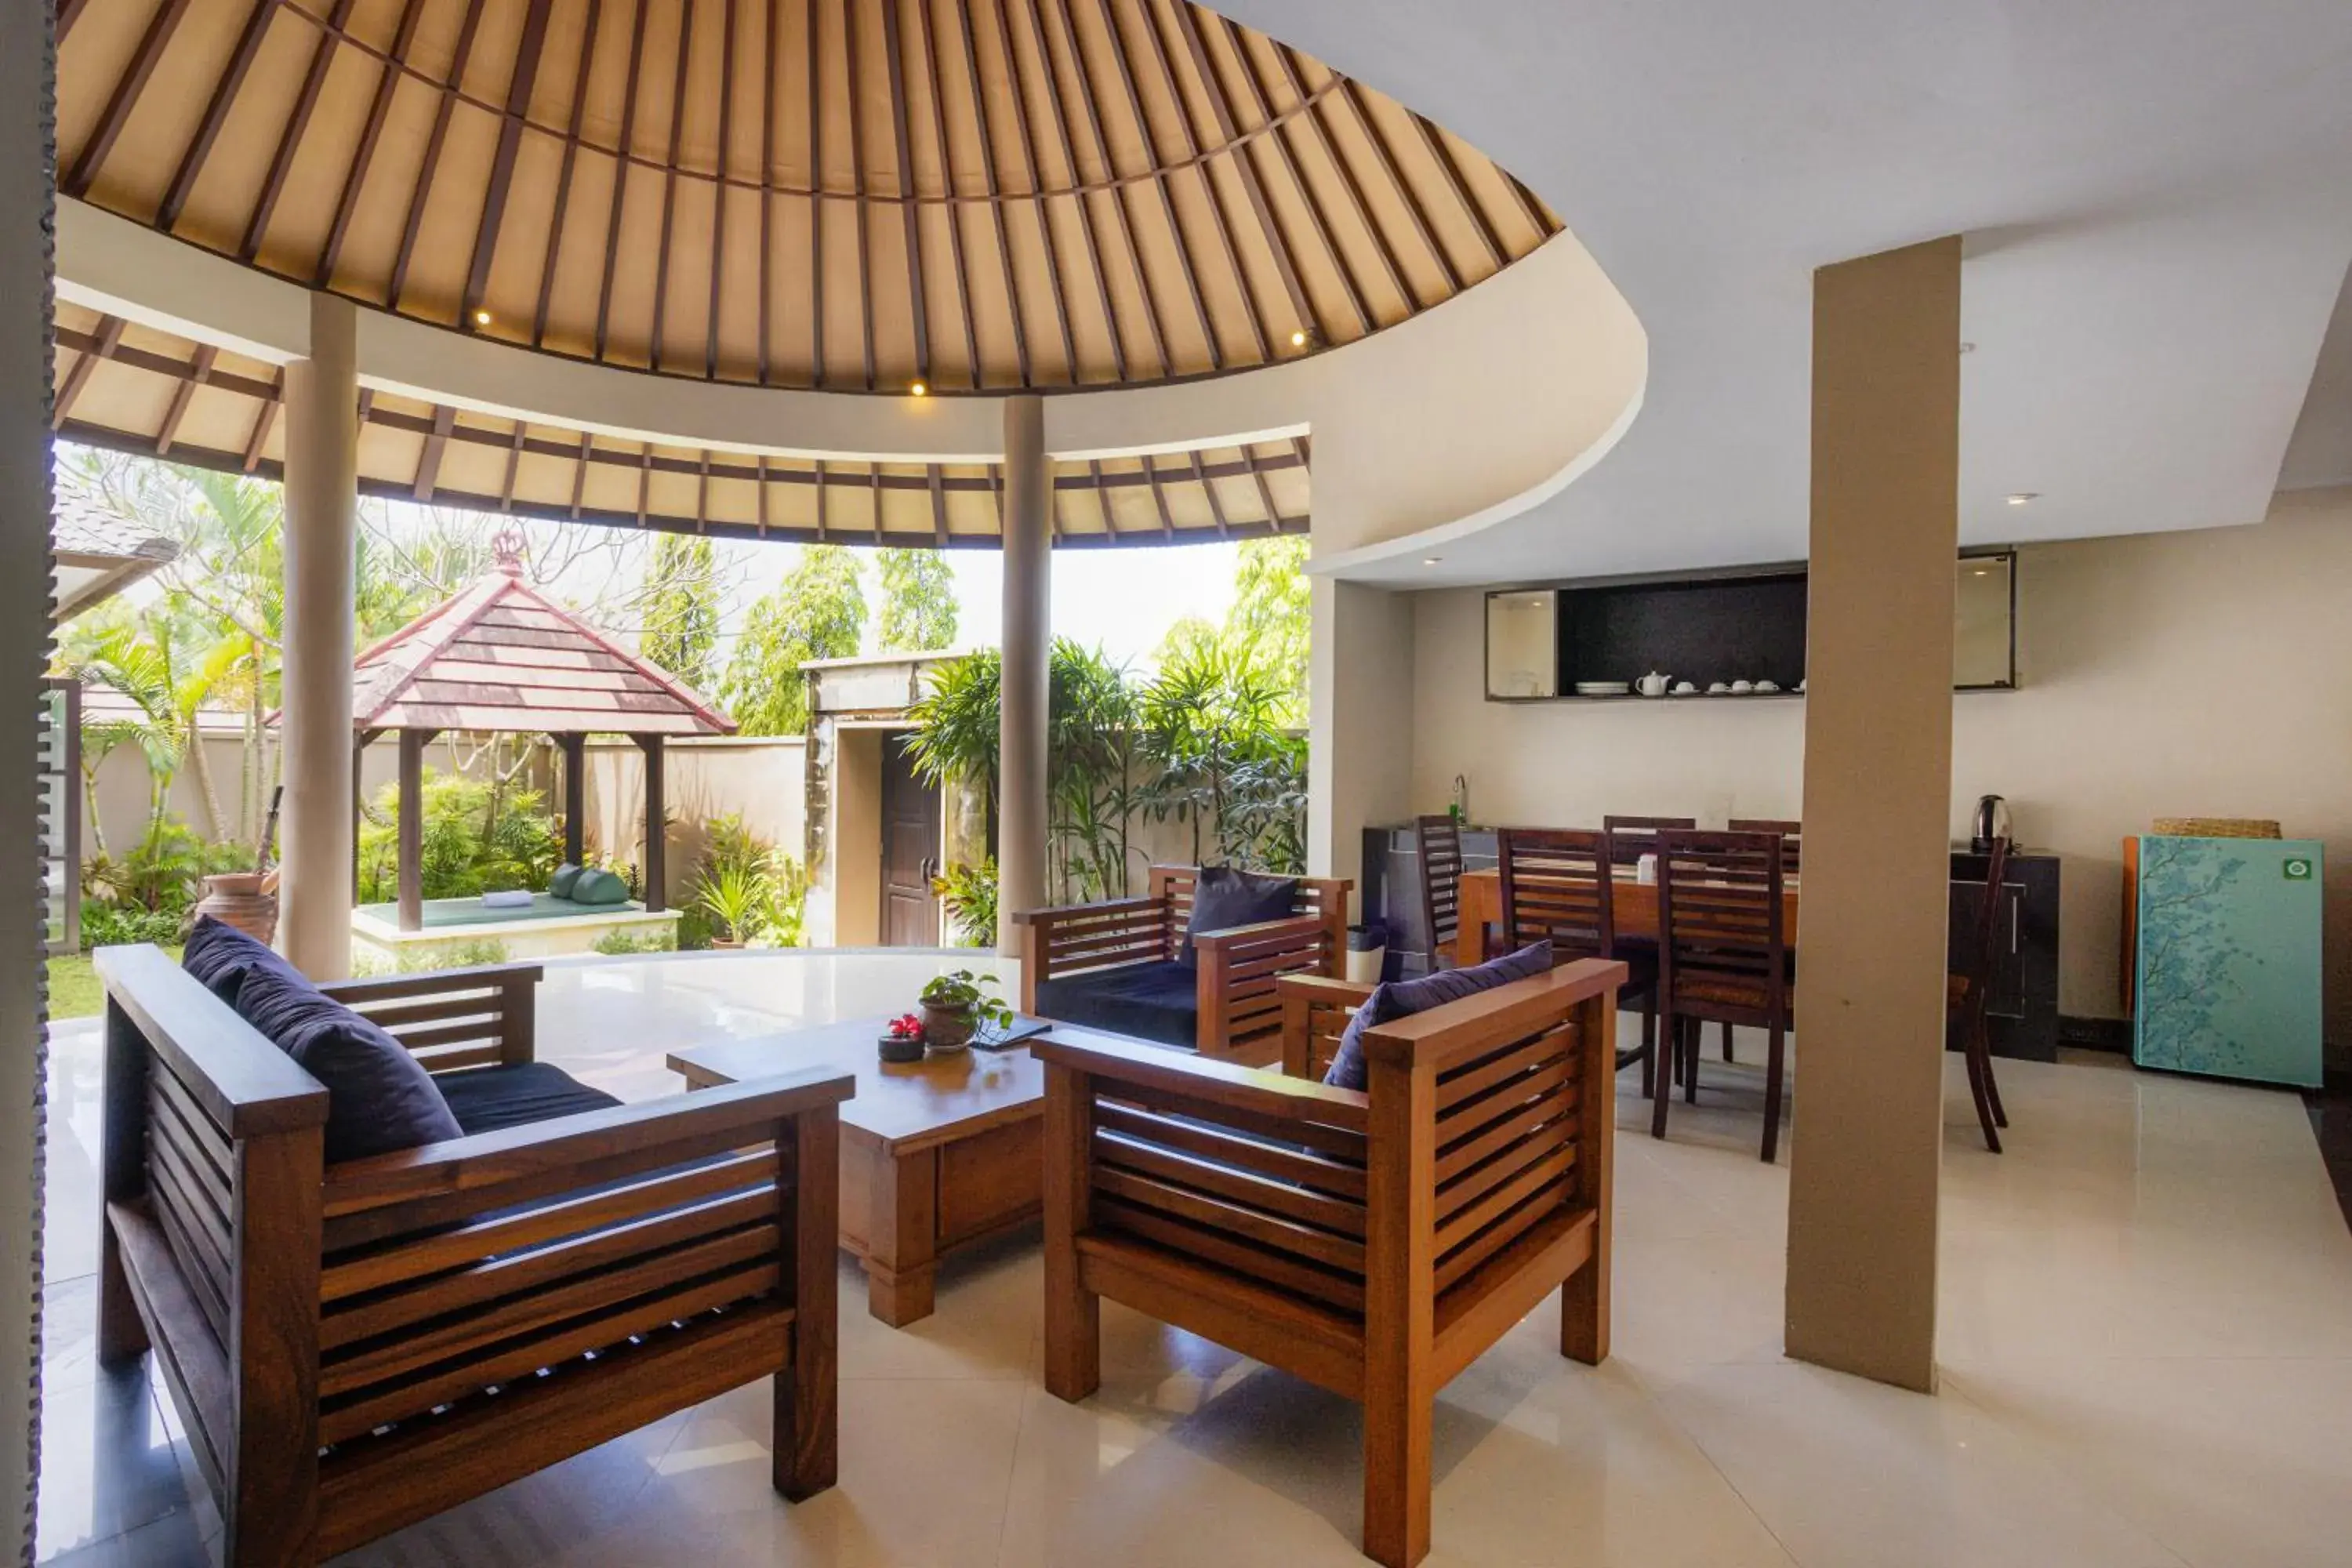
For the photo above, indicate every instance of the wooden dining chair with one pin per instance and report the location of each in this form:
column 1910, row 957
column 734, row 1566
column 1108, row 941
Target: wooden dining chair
column 1557, row 887
column 1722, row 954
column 1969, row 991
column 1439, row 839
column 1791, row 833
column 1631, row 838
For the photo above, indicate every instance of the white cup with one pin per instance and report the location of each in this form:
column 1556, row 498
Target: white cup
column 1646, row 870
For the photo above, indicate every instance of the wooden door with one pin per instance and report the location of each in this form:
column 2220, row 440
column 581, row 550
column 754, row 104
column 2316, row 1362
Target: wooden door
column 910, row 851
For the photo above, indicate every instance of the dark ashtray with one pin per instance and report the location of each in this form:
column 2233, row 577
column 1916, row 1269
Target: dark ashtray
column 900, row 1048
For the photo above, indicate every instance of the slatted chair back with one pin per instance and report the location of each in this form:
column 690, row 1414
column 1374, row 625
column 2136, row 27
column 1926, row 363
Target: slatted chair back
column 1791, row 834
column 1631, row 838
column 1438, row 840
column 1980, row 952
column 1172, row 888
column 1722, row 950
column 1315, row 1012
column 1556, row 887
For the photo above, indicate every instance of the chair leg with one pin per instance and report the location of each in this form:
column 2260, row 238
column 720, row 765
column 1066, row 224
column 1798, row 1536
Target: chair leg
column 1670, row 1033
column 1726, row 1044
column 1775, row 1062
column 1397, row 1440
column 1650, row 1051
column 1691, row 1050
column 1979, row 1072
column 1992, row 1085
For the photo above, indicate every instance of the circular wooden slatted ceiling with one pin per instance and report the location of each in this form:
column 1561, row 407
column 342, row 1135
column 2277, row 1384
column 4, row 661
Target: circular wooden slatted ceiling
column 844, row 194
column 134, row 388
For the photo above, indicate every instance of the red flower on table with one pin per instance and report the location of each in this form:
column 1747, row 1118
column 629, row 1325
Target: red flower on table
column 906, row 1027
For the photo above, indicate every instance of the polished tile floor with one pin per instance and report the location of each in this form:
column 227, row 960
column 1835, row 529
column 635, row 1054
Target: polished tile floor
column 2147, row 1347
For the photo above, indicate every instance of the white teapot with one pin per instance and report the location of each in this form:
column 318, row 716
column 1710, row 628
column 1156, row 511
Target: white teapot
column 1654, row 684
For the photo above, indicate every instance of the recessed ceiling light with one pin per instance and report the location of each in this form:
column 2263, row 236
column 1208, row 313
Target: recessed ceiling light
column 1298, row 339
column 482, row 318
column 918, row 390
column 1431, row 560
column 2022, row 498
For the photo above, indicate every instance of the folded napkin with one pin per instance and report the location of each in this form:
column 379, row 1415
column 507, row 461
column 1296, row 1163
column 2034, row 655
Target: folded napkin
column 516, row 899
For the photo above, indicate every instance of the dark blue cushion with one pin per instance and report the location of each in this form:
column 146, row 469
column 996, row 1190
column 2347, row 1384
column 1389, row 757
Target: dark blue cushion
column 1224, row 897
column 379, row 1097
column 484, row 1100
column 221, row 955
column 1402, row 998
column 559, row 885
column 1152, row 1000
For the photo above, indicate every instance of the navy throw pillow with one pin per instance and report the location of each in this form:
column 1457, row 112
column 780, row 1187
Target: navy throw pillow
column 1402, row 998
column 1224, row 897
column 221, row 956
column 379, row 1097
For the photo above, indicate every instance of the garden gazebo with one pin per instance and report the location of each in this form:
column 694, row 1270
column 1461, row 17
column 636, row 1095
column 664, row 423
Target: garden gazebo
column 498, row 657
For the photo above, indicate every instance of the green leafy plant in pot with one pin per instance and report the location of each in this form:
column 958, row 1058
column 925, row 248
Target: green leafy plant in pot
column 956, row 1004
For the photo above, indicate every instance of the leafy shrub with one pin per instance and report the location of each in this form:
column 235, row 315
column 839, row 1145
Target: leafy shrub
column 968, row 893
column 110, row 925
column 476, row 839
column 746, row 889
column 163, row 873
column 618, row 943
column 464, row 955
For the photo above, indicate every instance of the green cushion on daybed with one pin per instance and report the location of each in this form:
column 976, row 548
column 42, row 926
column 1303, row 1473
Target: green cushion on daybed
column 566, row 876
column 596, row 887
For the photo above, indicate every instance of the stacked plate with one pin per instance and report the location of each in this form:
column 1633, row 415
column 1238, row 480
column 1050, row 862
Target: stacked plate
column 1604, row 688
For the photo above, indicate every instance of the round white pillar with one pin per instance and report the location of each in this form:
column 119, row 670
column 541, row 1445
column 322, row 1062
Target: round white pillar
column 1027, row 635
column 321, row 563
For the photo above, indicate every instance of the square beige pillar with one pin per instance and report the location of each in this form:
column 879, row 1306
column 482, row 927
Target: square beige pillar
column 1867, row 1151
column 320, row 565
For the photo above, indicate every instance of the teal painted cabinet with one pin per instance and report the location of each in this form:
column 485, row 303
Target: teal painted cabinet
column 2229, row 962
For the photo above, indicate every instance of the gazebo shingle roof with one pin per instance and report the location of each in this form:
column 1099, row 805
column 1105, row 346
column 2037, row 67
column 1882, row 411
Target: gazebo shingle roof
column 499, row 657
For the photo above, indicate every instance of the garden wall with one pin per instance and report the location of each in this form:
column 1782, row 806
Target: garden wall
column 759, row 778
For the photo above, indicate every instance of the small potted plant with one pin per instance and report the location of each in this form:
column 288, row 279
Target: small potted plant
column 956, row 1004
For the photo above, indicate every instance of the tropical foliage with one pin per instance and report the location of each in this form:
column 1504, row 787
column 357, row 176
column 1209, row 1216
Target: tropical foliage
column 747, row 890
column 679, row 606
column 818, row 611
column 479, row 836
column 969, row 895
column 919, row 602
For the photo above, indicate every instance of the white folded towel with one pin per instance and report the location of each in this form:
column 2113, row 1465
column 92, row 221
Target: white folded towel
column 514, row 898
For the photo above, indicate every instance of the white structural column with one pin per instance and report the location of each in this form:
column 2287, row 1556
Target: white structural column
column 1867, row 1154
column 1360, row 720
column 322, row 564
column 25, row 199
column 1028, row 633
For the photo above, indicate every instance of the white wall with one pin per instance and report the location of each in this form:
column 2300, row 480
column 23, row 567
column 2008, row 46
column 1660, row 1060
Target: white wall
column 2204, row 673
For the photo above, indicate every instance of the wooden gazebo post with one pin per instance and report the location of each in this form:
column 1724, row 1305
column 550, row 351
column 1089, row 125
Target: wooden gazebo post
column 412, row 827
column 576, row 796
column 657, row 885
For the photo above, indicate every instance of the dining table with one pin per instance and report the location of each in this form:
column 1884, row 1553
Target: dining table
column 1633, row 907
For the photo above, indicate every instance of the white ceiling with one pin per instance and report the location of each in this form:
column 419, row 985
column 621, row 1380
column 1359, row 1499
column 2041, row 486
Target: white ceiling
column 2156, row 196
column 2321, row 452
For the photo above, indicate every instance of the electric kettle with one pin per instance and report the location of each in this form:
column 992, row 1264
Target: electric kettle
column 1992, row 823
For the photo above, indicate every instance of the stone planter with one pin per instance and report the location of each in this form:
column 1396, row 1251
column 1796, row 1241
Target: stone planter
column 235, row 898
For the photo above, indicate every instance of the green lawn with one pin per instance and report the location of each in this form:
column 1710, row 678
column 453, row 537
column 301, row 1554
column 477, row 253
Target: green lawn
column 74, row 991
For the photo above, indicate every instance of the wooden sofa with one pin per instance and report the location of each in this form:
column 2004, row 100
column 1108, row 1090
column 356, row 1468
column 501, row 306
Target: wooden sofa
column 1375, row 1243
column 358, row 1346
column 1116, row 966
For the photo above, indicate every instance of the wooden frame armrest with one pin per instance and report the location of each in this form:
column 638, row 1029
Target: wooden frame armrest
column 1325, row 991
column 480, row 977
column 1258, row 1090
column 237, row 1075
column 517, row 1153
column 1304, row 927
column 1057, row 914
column 1438, row 1037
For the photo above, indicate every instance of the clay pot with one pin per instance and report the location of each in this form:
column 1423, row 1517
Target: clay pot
column 235, row 898
column 947, row 1028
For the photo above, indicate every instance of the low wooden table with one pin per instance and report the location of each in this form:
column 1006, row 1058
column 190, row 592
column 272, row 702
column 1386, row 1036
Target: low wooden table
column 934, row 1154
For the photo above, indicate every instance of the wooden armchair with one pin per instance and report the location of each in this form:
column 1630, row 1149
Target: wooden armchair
column 355, row 1347
column 1116, row 966
column 1374, row 1244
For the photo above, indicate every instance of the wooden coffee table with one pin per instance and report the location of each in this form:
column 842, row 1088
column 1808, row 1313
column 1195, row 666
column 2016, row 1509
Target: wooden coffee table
column 934, row 1154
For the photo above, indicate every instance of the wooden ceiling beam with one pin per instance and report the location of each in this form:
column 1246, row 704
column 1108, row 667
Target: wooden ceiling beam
column 769, row 101
column 525, row 76
column 1216, row 350
column 1160, row 498
column 874, row 480
column 200, row 371
column 109, row 333
column 1254, row 310
column 1318, row 118
column 437, row 445
column 1059, row 113
column 1122, row 195
column 858, row 185
column 719, row 194
column 1443, row 156
column 514, row 466
column 1036, row 193
column 323, row 275
column 258, row 438
column 816, row 476
column 554, row 252
column 812, row 13
column 939, row 504
column 580, row 472
column 993, row 192
column 893, row 53
column 762, row 492
column 1262, row 101
column 127, row 89
column 967, row 308
column 68, row 12
column 702, row 496
column 224, row 91
column 669, row 182
column 314, row 77
column 443, row 108
column 1216, row 506
column 629, row 131
column 1244, row 165
column 1403, row 187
